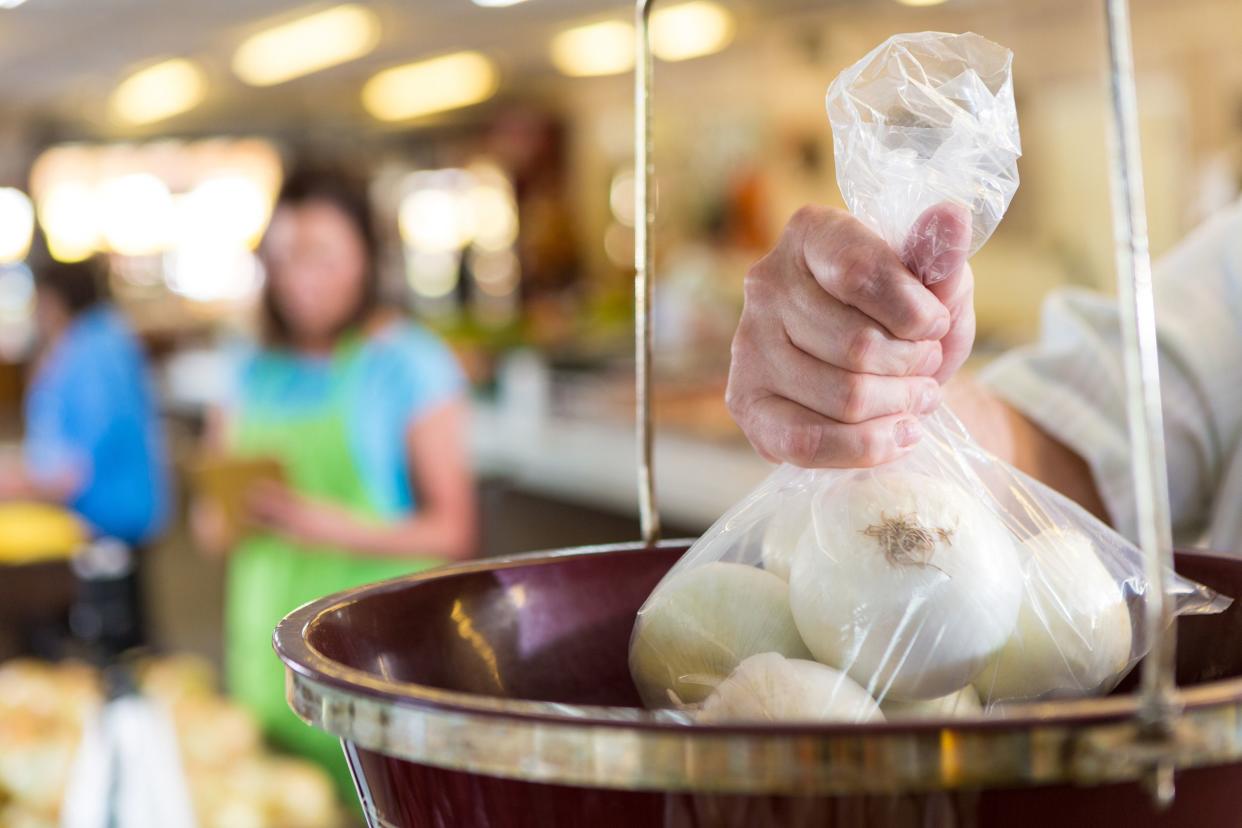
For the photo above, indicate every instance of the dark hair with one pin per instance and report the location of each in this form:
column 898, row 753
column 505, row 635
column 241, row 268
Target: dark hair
column 78, row 285
column 348, row 194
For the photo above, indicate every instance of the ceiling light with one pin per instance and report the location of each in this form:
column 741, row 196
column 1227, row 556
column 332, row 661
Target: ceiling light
column 429, row 86
column 16, row 225
column 159, row 92
column 496, row 4
column 309, row 44
column 605, row 48
column 921, row 2
column 691, row 30
column 10, row 4
column 136, row 213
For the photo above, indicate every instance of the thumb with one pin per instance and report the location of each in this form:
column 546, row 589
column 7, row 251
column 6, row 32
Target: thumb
column 938, row 243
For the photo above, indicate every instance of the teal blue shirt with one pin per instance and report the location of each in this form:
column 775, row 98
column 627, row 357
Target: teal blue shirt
column 381, row 385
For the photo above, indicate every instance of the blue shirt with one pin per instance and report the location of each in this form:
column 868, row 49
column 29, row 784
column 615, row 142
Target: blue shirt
column 90, row 411
column 381, row 385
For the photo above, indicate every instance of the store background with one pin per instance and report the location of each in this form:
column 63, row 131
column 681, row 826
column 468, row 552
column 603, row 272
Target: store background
column 508, row 220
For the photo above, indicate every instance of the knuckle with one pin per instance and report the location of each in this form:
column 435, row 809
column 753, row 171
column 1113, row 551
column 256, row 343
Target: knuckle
column 864, row 350
column 808, row 215
column 856, row 395
column 870, row 447
column 757, row 286
column 799, row 443
column 855, row 271
column 735, row 397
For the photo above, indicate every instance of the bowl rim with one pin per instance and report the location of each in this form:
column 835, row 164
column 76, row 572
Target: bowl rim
column 1084, row 741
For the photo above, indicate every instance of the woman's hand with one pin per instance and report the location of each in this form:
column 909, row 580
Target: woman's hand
column 842, row 345
column 277, row 508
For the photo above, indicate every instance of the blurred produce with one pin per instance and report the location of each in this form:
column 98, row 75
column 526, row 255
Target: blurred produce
column 234, row 781
column 31, row 532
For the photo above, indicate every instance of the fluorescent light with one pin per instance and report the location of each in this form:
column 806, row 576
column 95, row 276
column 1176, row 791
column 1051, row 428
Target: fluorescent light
column 681, row 32
column 605, row 48
column 429, row 86
column 690, row 30
column 921, row 2
column 16, row 225
column 496, row 4
column 159, row 92
column 309, row 44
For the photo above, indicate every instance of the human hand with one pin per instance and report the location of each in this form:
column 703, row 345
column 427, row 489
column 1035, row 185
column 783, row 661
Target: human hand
column 843, row 343
column 279, row 509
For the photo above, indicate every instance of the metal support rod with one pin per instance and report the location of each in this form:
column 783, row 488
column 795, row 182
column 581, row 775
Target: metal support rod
column 1157, row 708
column 644, row 255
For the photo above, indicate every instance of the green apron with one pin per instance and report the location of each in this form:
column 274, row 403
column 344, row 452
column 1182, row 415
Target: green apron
column 269, row 576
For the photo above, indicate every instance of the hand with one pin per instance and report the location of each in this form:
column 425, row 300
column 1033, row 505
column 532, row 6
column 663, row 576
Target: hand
column 278, row 509
column 842, row 345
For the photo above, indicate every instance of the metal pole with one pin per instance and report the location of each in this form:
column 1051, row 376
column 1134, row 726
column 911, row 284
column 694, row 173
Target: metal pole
column 644, row 254
column 1158, row 707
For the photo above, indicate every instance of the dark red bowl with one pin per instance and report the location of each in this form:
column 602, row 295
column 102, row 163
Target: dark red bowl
column 497, row 693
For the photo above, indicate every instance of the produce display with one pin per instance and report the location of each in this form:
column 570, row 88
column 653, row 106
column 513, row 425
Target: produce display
column 945, row 583
column 233, row 780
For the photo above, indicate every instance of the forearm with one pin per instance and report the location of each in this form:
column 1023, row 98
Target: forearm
column 17, row 483
column 432, row 533
column 1005, row 432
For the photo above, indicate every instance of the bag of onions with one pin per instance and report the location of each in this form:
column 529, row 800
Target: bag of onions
column 943, row 583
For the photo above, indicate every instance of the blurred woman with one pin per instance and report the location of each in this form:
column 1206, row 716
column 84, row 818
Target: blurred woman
column 364, row 411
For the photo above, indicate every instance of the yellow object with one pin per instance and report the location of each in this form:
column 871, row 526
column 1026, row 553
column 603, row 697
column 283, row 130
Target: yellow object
column 226, row 482
column 31, row 532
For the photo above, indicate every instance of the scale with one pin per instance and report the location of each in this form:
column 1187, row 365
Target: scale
column 497, row 693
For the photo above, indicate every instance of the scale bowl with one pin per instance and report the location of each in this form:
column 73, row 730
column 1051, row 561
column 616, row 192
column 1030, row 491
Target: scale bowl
column 497, row 693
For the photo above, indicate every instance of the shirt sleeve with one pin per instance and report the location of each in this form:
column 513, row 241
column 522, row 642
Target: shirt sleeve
column 431, row 372
column 1071, row 382
column 58, row 427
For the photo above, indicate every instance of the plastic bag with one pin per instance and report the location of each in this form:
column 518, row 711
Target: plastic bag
column 935, row 585
column 922, row 120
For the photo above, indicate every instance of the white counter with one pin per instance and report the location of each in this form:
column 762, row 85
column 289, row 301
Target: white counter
column 593, row 463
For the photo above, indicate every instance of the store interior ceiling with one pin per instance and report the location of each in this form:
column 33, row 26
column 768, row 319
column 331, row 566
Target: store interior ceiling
column 60, row 59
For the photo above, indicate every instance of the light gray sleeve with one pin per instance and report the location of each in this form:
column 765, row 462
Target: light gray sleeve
column 1070, row 382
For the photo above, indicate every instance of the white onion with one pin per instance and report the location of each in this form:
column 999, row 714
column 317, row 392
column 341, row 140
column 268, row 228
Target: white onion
column 1073, row 634
column 964, row 702
column 787, row 524
column 905, row 581
column 700, row 624
column 771, row 688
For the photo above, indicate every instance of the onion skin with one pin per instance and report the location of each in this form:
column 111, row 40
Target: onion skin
column 780, row 539
column 1073, row 635
column 905, row 581
column 771, row 688
column 963, row 703
column 700, row 624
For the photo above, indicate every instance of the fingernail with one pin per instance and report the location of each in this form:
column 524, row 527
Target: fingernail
column 929, row 399
column 908, row 432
